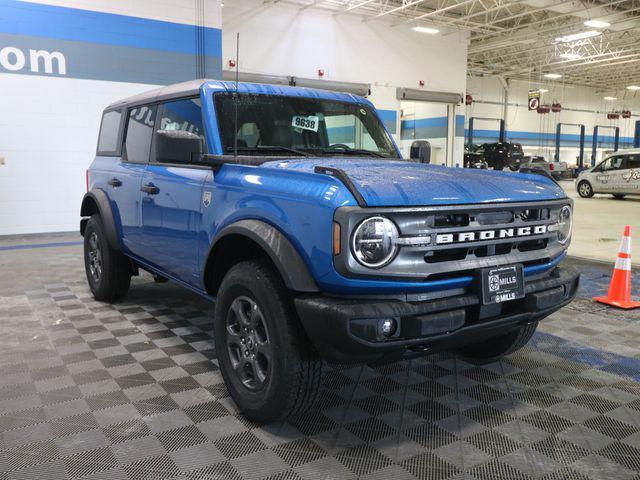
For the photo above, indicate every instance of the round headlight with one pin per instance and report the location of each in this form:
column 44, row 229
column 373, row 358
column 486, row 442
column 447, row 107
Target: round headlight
column 565, row 222
column 373, row 242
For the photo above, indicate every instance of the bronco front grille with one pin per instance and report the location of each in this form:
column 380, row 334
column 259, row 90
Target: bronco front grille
column 461, row 239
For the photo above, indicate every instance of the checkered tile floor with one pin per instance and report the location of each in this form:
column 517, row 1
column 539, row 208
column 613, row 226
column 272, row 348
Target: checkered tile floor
column 132, row 391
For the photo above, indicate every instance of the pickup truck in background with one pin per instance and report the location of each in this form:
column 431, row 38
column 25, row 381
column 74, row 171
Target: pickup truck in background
column 556, row 169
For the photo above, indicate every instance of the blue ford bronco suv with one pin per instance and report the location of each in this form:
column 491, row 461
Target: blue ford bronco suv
column 293, row 209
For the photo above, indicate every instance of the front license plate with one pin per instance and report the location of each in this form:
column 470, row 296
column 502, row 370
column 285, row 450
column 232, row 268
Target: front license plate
column 502, row 284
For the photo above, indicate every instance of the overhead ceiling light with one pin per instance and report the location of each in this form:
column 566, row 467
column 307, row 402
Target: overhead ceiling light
column 553, row 76
column 543, row 90
column 633, row 87
column 570, row 55
column 430, row 31
column 597, row 24
column 578, row 36
column 610, row 99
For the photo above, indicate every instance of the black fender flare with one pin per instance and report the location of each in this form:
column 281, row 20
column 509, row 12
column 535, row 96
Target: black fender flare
column 283, row 254
column 99, row 198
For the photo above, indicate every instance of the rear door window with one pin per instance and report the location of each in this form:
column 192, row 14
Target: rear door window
column 140, row 127
column 108, row 139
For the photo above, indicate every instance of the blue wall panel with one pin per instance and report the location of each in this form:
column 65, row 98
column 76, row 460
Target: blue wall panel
column 103, row 46
column 389, row 118
column 545, row 139
column 433, row 127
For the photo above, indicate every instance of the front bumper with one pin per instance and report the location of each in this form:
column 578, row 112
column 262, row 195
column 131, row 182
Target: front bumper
column 345, row 330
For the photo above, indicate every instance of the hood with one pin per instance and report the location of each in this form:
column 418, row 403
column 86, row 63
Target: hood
column 391, row 183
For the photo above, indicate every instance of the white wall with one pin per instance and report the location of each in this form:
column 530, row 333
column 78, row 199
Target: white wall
column 50, row 121
column 284, row 39
column 580, row 105
column 280, row 38
column 179, row 11
column 48, row 143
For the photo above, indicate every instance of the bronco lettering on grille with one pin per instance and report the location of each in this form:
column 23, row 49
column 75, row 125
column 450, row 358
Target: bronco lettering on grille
column 464, row 237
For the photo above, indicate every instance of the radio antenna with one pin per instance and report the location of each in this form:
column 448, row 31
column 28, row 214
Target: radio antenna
column 235, row 124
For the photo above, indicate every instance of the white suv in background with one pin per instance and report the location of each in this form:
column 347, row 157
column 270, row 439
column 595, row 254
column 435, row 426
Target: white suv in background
column 618, row 174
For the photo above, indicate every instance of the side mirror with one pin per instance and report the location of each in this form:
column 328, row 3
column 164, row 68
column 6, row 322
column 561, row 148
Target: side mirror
column 420, row 151
column 177, row 146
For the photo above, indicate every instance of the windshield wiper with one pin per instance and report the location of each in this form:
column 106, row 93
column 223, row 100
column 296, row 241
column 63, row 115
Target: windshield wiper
column 356, row 151
column 270, row 148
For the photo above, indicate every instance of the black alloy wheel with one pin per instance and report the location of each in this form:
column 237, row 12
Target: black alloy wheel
column 249, row 343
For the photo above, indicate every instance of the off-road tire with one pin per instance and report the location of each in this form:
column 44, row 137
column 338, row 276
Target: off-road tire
column 585, row 190
column 294, row 373
column 115, row 276
column 498, row 347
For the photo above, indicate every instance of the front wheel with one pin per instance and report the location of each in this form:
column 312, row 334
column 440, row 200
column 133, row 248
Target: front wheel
column 585, row 190
column 269, row 367
column 495, row 348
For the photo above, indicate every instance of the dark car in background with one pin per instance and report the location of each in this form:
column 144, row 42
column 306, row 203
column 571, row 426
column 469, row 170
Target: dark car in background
column 501, row 155
column 473, row 159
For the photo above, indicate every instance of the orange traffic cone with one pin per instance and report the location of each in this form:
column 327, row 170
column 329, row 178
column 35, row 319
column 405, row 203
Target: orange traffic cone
column 619, row 294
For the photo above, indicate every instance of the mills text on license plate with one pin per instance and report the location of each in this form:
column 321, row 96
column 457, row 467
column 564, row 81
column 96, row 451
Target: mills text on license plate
column 502, row 284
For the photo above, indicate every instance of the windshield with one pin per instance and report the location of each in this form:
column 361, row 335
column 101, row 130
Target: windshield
column 277, row 125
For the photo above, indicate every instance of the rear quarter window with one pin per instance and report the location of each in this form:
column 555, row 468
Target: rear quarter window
column 109, row 136
column 633, row 161
column 137, row 144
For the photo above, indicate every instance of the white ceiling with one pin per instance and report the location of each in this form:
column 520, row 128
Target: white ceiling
column 517, row 38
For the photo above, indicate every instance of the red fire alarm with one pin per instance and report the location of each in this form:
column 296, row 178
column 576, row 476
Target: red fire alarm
column 468, row 99
column 421, row 83
column 626, row 114
column 556, row 107
column 544, row 109
column 320, row 72
column 232, row 63
column 613, row 116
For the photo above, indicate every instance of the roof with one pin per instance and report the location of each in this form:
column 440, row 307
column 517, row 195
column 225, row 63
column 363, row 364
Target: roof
column 193, row 87
column 625, row 151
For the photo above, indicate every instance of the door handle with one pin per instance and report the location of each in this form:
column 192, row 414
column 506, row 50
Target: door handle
column 114, row 182
column 150, row 188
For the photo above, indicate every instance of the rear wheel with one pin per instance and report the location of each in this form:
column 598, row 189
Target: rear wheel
column 585, row 190
column 497, row 347
column 108, row 271
column 269, row 367
column 618, row 196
